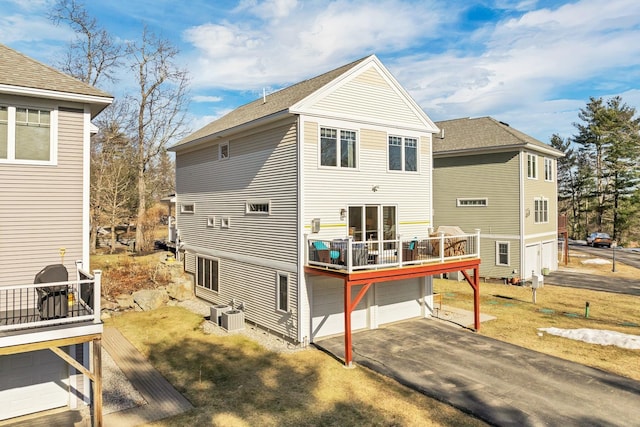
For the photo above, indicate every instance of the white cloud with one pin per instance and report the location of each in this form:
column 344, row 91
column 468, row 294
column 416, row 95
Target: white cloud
column 249, row 54
column 530, row 60
column 204, row 98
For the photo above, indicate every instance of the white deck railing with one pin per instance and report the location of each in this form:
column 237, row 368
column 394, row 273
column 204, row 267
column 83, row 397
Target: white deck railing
column 349, row 255
column 39, row 305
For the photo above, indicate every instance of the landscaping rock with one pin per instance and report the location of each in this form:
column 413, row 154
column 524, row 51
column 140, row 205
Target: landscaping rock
column 149, row 299
column 180, row 290
column 125, row 301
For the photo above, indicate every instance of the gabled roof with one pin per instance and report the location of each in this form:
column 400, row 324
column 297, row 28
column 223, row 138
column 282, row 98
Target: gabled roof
column 293, row 100
column 21, row 75
column 273, row 103
column 484, row 134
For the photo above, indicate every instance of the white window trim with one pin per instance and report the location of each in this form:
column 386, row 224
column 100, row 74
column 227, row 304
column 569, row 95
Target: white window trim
column 248, row 207
column 280, row 274
column 548, row 162
column 338, row 128
column 220, row 155
column 535, row 166
column 211, row 221
column 184, row 210
column 225, row 222
column 402, row 151
column 535, row 212
column 11, row 135
column 460, row 202
column 498, row 243
column 217, row 260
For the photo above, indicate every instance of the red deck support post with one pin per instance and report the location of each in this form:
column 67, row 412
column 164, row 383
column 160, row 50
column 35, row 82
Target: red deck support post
column 475, row 285
column 348, row 356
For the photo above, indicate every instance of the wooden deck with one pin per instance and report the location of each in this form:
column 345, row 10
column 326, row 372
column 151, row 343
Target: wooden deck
column 163, row 399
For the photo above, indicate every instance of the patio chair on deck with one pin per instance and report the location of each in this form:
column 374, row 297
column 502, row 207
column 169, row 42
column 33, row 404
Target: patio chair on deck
column 409, row 250
column 324, row 253
column 52, row 300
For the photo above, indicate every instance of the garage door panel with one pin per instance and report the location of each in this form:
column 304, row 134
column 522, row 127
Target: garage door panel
column 40, row 374
column 328, row 309
column 398, row 300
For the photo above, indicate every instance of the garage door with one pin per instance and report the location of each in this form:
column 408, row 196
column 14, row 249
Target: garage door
column 549, row 256
column 531, row 260
column 32, row 382
column 398, row 300
column 327, row 315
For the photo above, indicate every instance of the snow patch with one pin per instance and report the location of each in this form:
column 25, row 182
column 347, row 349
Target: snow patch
column 597, row 336
column 598, row 261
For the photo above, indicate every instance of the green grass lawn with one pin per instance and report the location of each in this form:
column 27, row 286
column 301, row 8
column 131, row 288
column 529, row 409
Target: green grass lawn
column 518, row 319
column 232, row 381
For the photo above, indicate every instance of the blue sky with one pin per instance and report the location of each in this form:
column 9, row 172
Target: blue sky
column 532, row 64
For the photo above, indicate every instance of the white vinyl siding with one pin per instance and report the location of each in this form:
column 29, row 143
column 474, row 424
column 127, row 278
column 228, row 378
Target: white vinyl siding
column 370, row 97
column 254, row 247
column 41, row 207
column 327, row 193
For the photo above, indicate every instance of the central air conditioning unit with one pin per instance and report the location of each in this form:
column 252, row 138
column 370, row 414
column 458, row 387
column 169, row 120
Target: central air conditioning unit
column 233, row 320
column 216, row 312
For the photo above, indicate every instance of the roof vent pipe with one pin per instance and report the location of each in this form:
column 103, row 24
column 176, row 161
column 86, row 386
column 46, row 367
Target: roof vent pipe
column 442, row 133
column 264, row 95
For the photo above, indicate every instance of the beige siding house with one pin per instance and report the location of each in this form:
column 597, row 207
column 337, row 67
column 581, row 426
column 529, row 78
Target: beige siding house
column 334, row 171
column 490, row 176
column 45, row 124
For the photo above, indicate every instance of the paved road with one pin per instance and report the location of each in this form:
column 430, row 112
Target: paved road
column 611, row 283
column 500, row 383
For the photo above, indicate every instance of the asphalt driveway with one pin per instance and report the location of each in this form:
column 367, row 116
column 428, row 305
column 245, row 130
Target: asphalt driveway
column 497, row 382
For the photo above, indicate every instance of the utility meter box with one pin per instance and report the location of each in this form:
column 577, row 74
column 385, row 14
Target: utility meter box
column 537, row 281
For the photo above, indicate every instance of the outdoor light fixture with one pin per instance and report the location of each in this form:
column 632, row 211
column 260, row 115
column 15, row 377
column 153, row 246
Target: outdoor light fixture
column 375, row 188
column 343, row 213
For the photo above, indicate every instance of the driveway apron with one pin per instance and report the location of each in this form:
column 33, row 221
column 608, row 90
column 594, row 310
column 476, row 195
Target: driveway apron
column 500, row 383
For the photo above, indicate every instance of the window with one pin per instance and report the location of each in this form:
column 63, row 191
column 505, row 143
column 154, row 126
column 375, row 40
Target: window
column 541, row 208
column 211, row 221
column 223, row 150
column 502, row 253
column 403, row 154
column 283, row 292
column 225, row 222
column 260, row 207
column 207, row 273
column 472, row 202
column 331, row 151
column 548, row 169
column 26, row 135
column 187, row 208
column 532, row 166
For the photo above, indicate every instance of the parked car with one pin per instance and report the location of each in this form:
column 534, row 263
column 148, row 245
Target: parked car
column 599, row 239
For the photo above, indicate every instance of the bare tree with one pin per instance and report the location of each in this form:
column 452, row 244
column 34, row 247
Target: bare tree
column 160, row 104
column 112, row 172
column 93, row 55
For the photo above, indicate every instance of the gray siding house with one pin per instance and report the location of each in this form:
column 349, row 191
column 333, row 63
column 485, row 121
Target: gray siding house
column 490, row 176
column 283, row 199
column 45, row 125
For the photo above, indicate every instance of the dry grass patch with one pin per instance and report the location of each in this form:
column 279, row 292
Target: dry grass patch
column 232, row 381
column 577, row 263
column 127, row 273
column 518, row 320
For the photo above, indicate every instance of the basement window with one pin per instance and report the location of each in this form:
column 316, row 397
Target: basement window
column 480, row 202
column 258, row 207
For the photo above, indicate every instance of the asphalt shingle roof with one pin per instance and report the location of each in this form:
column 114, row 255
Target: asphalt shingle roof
column 19, row 70
column 273, row 103
column 469, row 134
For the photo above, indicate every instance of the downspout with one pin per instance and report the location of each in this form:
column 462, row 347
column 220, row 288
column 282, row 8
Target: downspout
column 302, row 283
column 86, row 185
column 521, row 159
